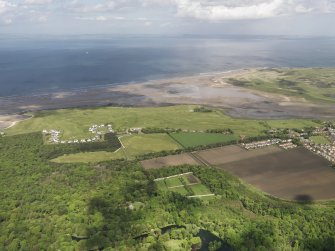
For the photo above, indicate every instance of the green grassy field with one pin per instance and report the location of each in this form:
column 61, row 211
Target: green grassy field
column 314, row 84
column 90, row 157
column 319, row 140
column 161, row 184
column 200, row 189
column 291, row 123
column 136, row 145
column 196, row 139
column 174, row 184
column 74, row 123
column 180, row 190
column 186, row 180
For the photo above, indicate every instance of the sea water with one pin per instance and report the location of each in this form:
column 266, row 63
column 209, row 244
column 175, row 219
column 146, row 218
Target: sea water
column 31, row 65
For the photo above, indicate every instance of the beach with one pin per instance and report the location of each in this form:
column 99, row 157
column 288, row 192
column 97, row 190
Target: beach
column 204, row 89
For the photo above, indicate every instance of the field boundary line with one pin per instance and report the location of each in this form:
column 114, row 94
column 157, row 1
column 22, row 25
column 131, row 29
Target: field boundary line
column 176, row 140
column 198, row 196
column 184, row 185
column 121, row 141
column 199, row 159
column 172, row 176
column 123, row 147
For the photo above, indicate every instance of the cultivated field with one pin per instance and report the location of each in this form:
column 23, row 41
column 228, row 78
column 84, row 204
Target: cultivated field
column 226, row 154
column 191, row 139
column 173, row 160
column 296, row 174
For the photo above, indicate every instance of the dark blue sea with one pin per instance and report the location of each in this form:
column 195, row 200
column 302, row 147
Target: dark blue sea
column 45, row 63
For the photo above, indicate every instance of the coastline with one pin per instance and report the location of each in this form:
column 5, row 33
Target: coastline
column 208, row 89
column 8, row 121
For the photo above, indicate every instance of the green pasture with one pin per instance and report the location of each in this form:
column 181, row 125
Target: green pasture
column 90, row 157
column 135, row 145
column 140, row 144
column 161, row 185
column 190, row 139
column 313, row 84
column 180, row 190
column 74, row 123
column 200, row 189
column 171, row 184
column 291, row 123
column 184, row 177
column 319, row 140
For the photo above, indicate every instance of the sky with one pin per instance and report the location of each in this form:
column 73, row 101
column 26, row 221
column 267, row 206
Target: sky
column 201, row 17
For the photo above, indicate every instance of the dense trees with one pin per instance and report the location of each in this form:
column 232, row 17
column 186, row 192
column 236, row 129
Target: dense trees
column 48, row 206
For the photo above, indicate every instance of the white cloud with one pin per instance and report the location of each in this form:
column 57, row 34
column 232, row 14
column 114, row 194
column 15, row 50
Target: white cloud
column 78, row 6
column 6, row 6
column 7, row 11
column 38, row 2
column 7, row 21
column 163, row 12
column 42, row 18
column 210, row 11
column 100, row 18
column 216, row 10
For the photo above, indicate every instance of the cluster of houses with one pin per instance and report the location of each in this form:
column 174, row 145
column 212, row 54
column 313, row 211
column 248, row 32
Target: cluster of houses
column 327, row 150
column 288, row 145
column 54, row 135
column 264, row 143
column 97, row 130
column 331, row 132
column 134, row 130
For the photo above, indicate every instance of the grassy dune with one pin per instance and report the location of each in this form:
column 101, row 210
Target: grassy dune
column 313, row 84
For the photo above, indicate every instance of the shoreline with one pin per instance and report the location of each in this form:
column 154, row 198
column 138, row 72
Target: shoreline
column 47, row 92
column 12, row 120
column 209, row 89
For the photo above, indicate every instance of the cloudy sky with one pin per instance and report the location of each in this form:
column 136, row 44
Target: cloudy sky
column 263, row 17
